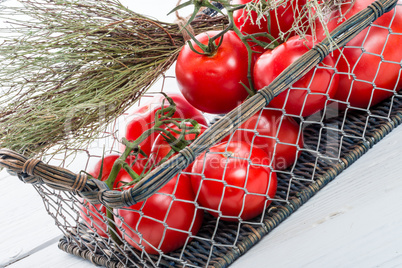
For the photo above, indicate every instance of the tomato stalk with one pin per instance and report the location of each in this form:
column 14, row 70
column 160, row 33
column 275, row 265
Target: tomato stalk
column 245, row 39
column 251, row 91
column 198, row 4
column 162, row 117
column 112, row 229
column 178, row 144
column 274, row 42
column 212, row 47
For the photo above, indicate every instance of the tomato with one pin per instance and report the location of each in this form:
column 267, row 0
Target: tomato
column 213, row 83
column 228, row 175
column 161, row 148
column 279, row 22
column 278, row 135
column 375, row 72
column 162, row 222
column 95, row 215
column 309, row 94
column 108, row 162
column 143, row 118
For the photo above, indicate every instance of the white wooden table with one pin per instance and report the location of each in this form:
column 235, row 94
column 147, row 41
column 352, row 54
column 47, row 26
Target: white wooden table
column 355, row 221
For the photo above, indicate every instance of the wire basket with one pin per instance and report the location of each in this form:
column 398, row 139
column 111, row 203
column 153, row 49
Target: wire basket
column 326, row 143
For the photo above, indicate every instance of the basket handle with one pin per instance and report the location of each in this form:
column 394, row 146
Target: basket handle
column 95, row 191
column 35, row 171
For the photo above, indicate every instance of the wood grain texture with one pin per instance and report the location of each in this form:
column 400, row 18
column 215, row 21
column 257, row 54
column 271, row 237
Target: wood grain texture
column 58, row 258
column 25, row 224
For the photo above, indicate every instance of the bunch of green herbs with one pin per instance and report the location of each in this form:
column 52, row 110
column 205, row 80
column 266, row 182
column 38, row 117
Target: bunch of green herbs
column 71, row 67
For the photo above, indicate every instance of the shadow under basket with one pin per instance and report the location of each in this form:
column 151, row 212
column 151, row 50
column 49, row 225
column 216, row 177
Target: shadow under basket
column 219, row 243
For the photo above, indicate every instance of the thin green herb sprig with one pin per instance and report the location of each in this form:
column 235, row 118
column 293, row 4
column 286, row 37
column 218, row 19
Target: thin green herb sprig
column 73, row 67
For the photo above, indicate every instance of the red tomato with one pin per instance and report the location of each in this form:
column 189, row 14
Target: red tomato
column 163, row 222
column 375, row 72
column 144, row 117
column 227, row 178
column 278, row 137
column 258, row 51
column 161, row 147
column 213, row 83
column 281, row 19
column 321, row 82
column 95, row 215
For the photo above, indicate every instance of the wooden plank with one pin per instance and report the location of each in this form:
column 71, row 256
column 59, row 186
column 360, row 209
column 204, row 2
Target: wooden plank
column 24, row 221
column 52, row 256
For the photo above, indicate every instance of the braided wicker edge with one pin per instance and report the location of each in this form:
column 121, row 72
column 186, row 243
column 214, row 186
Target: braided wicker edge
column 276, row 217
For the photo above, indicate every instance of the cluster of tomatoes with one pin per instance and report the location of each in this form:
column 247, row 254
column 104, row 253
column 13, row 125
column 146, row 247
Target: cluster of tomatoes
column 232, row 181
column 236, row 179
column 360, row 75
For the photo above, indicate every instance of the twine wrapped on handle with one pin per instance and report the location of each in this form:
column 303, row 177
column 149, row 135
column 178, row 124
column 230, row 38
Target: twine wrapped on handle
column 34, row 171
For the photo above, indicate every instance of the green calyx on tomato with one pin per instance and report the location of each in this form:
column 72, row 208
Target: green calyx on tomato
column 144, row 117
column 213, row 84
column 211, row 48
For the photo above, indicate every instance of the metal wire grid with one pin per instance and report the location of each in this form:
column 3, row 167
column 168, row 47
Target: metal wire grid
column 328, row 135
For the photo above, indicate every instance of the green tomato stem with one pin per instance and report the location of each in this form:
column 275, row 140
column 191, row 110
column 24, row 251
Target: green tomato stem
column 251, row 91
column 162, row 117
column 112, row 229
